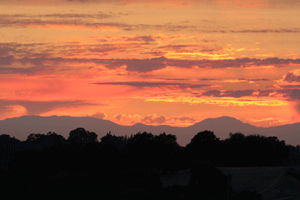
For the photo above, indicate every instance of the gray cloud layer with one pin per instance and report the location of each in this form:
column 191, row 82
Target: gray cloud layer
column 95, row 21
column 134, row 65
column 154, row 84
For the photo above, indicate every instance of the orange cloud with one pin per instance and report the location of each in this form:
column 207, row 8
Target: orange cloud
column 153, row 119
column 102, row 28
column 221, row 101
column 12, row 111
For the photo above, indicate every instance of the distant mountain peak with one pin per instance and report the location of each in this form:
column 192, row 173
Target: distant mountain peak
column 224, row 121
column 223, row 118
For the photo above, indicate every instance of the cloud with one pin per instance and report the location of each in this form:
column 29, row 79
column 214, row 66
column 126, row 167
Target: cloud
column 235, row 94
column 228, row 4
column 8, row 60
column 144, row 38
column 292, row 76
column 282, row 30
column 263, row 121
column 290, row 80
column 42, row 58
column 182, row 121
column 123, row 119
column 154, row 119
column 89, row 21
column 38, row 107
column 99, row 115
column 222, row 98
column 289, row 88
column 232, row 63
column 143, row 65
column 154, row 84
column 249, row 80
column 148, row 65
column 99, row 21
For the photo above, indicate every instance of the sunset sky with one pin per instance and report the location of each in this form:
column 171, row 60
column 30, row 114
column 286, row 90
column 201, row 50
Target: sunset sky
column 156, row 62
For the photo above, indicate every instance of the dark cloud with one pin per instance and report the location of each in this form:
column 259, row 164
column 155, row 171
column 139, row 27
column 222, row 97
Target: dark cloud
column 86, row 20
column 289, row 94
column 282, row 30
column 254, row 79
column 228, row 93
column 15, row 70
column 234, row 93
column 42, row 57
column 290, row 86
column 144, row 38
column 8, row 60
column 207, row 79
column 99, row 15
column 243, row 62
column 140, row 65
column 291, row 77
column 33, row 50
column 292, row 94
column 90, row 21
column 146, row 65
column 38, row 107
column 154, row 84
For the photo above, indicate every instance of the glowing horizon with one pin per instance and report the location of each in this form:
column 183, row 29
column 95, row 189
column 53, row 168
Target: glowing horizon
column 153, row 62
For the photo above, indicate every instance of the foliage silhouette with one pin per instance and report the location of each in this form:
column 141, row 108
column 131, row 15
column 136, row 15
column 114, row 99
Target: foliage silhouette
column 41, row 141
column 204, row 146
column 118, row 167
column 81, row 136
column 8, row 148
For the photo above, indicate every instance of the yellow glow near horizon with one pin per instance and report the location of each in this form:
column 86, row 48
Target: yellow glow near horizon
column 134, row 60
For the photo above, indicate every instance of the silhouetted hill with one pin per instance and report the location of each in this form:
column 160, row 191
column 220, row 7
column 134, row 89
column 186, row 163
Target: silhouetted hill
column 222, row 126
column 220, row 122
column 23, row 126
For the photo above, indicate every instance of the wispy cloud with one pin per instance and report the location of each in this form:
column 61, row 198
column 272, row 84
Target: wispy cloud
column 102, row 20
column 153, row 119
column 229, row 4
column 154, row 84
column 39, row 107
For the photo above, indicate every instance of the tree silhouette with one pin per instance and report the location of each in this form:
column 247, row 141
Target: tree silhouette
column 204, row 146
column 168, row 140
column 204, row 137
column 35, row 137
column 9, row 146
column 41, row 141
column 113, row 142
column 167, row 152
column 81, row 136
column 254, row 150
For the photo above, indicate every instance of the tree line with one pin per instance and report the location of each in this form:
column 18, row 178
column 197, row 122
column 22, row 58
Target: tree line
column 121, row 166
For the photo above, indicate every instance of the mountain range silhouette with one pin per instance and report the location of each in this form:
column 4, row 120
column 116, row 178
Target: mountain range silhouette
column 21, row 127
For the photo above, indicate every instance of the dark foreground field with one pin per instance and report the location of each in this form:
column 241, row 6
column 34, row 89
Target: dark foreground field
column 271, row 182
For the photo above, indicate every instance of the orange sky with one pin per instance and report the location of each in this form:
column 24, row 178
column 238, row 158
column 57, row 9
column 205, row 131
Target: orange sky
column 152, row 62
